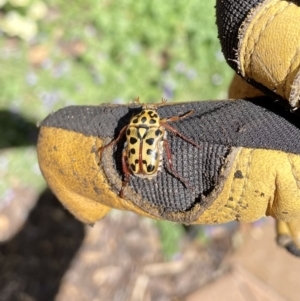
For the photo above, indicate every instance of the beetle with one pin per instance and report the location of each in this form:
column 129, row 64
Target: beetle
column 146, row 142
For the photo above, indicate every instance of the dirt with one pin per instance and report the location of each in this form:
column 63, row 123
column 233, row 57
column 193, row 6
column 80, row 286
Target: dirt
column 55, row 257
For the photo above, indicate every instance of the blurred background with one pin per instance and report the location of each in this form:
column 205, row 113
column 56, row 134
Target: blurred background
column 59, row 53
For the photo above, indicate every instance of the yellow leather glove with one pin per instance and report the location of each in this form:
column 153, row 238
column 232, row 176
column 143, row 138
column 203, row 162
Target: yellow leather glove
column 260, row 41
column 247, row 166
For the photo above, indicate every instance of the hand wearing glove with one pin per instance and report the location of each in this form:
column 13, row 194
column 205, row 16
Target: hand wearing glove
column 227, row 160
column 260, row 41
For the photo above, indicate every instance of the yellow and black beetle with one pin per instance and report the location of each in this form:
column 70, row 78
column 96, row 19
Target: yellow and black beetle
column 146, row 141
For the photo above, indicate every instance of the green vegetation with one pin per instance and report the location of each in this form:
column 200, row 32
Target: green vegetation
column 91, row 52
column 170, row 235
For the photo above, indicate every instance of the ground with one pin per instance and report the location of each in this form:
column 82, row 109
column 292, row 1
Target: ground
column 53, row 256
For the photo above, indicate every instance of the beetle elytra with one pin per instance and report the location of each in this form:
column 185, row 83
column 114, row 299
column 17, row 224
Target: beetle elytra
column 146, row 142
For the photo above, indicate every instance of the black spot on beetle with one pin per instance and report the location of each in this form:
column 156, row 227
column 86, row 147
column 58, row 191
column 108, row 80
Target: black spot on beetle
column 150, row 168
column 144, row 162
column 135, row 120
column 152, row 114
column 152, row 121
column 230, row 199
column 132, row 151
column 150, row 141
column 238, row 174
column 262, row 194
column 133, row 140
column 136, row 161
column 158, row 133
column 144, row 119
column 149, row 151
column 132, row 167
column 128, row 132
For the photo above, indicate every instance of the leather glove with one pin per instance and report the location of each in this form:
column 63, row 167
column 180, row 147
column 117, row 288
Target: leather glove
column 260, row 41
column 247, row 164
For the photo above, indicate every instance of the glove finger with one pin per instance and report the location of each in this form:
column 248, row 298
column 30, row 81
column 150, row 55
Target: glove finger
column 260, row 40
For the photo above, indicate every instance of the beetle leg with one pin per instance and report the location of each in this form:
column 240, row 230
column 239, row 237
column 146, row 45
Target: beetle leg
column 163, row 101
column 171, row 129
column 114, row 141
column 176, row 118
column 137, row 100
column 164, row 121
column 126, row 172
column 170, row 166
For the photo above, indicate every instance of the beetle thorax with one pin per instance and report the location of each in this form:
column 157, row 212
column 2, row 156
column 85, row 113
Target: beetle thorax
column 147, row 118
